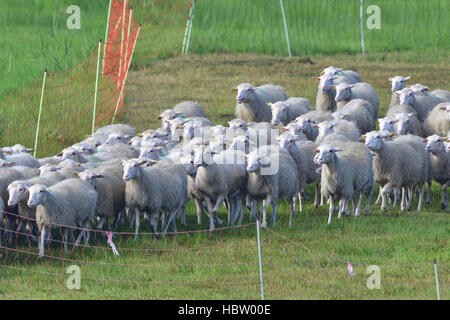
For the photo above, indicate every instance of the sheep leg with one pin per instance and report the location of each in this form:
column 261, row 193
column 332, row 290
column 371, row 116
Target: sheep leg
column 41, row 243
column 300, row 202
column 108, row 225
column 316, row 195
column 100, row 224
column 386, row 189
column 420, row 204
column 211, row 214
column 274, row 212
column 292, row 208
column 341, row 208
column 331, row 209
column 199, row 207
column 369, row 196
column 136, row 223
column 230, row 208
column 321, row 198
column 171, row 219
column 358, row 208
column 65, row 236
column 153, row 221
column 403, row 203
column 253, row 209
column 428, row 201
column 243, row 208
column 19, row 226
column 266, row 204
column 379, row 196
column 444, row 197
column 183, row 215
column 237, row 208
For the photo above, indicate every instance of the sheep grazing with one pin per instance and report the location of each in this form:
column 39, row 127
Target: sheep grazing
column 440, row 164
column 69, row 203
column 358, row 111
column 438, row 120
column 397, row 83
column 422, row 104
column 303, row 154
column 220, row 178
column 190, row 109
column 361, row 90
column 153, row 190
column 396, row 165
column 285, row 111
column 344, row 175
column 342, row 127
column 111, row 195
column 408, row 123
column 252, row 101
column 271, row 177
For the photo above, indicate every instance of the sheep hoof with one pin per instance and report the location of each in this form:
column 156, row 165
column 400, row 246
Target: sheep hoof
column 443, row 205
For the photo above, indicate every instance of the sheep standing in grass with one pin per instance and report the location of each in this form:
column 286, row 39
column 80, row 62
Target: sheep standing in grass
column 252, row 101
column 111, row 195
column 285, row 111
column 345, row 174
column 153, row 190
column 396, row 165
column 190, row 109
column 440, row 164
column 438, row 120
column 351, row 75
column 397, row 83
column 408, row 123
column 358, row 111
column 342, row 127
column 69, row 203
column 272, row 177
column 361, row 90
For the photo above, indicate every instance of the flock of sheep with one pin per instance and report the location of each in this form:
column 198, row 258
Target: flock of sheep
column 273, row 150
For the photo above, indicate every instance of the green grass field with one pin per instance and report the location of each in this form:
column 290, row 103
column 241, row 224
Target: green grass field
column 223, row 264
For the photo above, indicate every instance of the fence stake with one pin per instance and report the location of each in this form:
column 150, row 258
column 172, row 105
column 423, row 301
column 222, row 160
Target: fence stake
column 126, row 74
column 121, row 42
column 437, row 280
column 128, row 36
column 191, row 21
column 183, row 48
column 362, row 25
column 260, row 263
column 40, row 112
column 286, row 28
column 106, row 36
column 96, row 85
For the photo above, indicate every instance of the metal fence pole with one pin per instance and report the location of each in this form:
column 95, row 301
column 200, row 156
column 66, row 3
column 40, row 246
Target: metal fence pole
column 259, row 256
column 96, row 85
column 286, row 28
column 121, row 42
column 191, row 21
column 362, row 25
column 40, row 112
column 126, row 75
column 188, row 20
column 437, row 280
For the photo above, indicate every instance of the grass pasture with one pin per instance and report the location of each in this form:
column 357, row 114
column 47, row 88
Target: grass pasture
column 307, row 261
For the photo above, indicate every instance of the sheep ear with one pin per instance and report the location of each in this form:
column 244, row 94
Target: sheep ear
column 59, row 154
column 333, row 86
column 76, row 174
column 351, row 85
column 316, row 151
column 336, row 149
column 316, row 78
column 442, row 108
column 234, row 89
column 394, row 121
column 407, row 78
column 287, row 105
column 142, row 162
column 363, row 137
column 411, row 114
column 269, row 104
column 140, row 135
column 30, row 150
column 391, row 134
column 10, row 164
column 99, row 176
column 389, row 79
column 282, row 129
column 446, row 139
column 321, row 73
column 425, row 140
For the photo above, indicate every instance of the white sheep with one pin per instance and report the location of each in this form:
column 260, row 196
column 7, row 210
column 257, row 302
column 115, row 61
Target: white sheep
column 408, row 123
column 190, row 109
column 69, row 203
column 438, row 120
column 358, row 111
column 421, row 103
column 252, row 101
column 361, row 90
column 285, row 111
column 397, row 83
column 342, row 127
column 344, row 175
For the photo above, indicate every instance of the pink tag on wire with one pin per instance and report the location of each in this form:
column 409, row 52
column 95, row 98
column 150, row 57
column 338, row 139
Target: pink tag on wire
column 111, row 244
column 350, row 269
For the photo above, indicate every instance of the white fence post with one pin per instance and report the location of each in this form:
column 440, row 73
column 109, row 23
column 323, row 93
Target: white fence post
column 191, row 21
column 286, row 29
column 96, row 86
column 40, row 112
column 260, row 263
column 362, row 25
column 106, row 36
column 437, row 280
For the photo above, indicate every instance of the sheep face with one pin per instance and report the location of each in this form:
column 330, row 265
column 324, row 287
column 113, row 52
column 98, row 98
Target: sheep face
column 324, row 154
column 17, row 192
column 86, row 148
column 89, row 176
column 218, row 130
column 202, row 157
column 150, row 152
column 18, row 148
column 293, row 128
column 419, row 89
column 304, row 124
column 406, row 96
column 188, row 162
column 434, row 144
column 341, row 116
column 343, row 92
column 325, row 128
column 117, row 137
column 238, row 124
column 373, row 140
column 240, row 143
column 325, row 82
column 245, row 93
column 404, row 122
column 131, row 169
column 256, row 161
column 218, row 144
column 5, row 164
column 70, row 154
column 37, row 195
column 387, row 124
column 168, row 114
column 67, row 163
column 398, row 82
column 279, row 112
column 47, row 168
column 286, row 140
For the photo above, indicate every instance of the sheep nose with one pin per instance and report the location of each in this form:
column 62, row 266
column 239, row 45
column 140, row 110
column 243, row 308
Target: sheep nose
column 30, row 203
column 11, row 203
